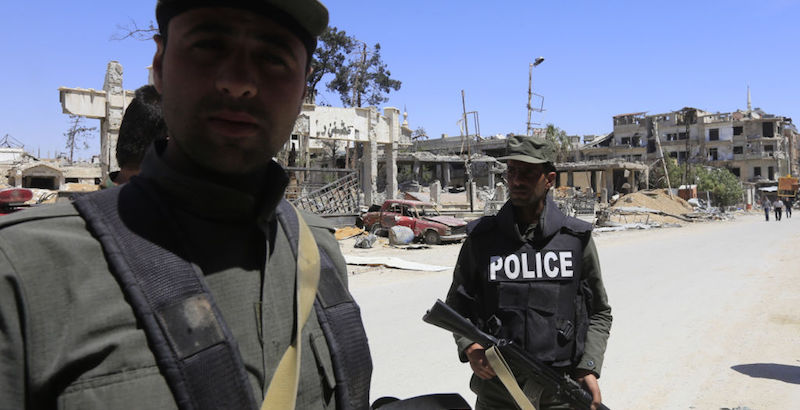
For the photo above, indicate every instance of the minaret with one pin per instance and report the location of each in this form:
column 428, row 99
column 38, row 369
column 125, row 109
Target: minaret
column 749, row 105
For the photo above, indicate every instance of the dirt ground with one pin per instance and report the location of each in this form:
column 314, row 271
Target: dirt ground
column 705, row 317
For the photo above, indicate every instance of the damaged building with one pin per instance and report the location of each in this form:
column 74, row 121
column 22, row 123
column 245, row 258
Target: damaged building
column 755, row 146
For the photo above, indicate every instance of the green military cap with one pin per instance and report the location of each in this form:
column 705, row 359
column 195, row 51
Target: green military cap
column 305, row 18
column 530, row 149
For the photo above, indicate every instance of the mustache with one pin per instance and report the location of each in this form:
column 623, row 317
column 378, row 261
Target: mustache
column 211, row 104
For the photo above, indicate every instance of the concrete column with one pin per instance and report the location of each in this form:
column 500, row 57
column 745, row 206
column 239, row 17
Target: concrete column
column 416, row 171
column 632, row 180
column 390, row 150
column 647, row 177
column 447, row 168
column 370, row 164
column 570, row 178
column 109, row 127
column 608, row 176
column 491, row 178
column 435, row 191
column 438, row 172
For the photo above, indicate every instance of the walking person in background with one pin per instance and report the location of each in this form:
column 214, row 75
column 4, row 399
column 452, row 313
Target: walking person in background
column 778, row 205
column 788, row 203
column 766, row 204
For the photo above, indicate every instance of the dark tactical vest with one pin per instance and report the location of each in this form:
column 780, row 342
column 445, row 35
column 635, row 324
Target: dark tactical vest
column 533, row 292
column 153, row 278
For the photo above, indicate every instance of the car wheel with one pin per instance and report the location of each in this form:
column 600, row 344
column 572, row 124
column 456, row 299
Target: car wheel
column 432, row 238
column 376, row 229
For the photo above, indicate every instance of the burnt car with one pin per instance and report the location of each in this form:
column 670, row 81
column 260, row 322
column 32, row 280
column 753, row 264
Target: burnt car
column 422, row 217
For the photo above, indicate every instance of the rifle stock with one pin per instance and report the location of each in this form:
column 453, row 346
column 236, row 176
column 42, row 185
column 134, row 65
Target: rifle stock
column 445, row 317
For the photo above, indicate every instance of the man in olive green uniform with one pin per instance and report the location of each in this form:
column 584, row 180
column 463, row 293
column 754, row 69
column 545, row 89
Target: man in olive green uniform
column 232, row 77
column 530, row 274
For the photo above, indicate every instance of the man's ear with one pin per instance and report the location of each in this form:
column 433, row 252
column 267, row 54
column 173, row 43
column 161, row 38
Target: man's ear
column 551, row 179
column 158, row 60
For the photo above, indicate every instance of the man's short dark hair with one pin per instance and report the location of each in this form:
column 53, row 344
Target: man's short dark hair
column 142, row 123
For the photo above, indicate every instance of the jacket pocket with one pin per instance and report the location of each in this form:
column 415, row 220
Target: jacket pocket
column 120, row 391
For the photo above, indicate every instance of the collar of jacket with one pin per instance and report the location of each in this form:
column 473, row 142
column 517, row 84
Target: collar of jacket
column 209, row 200
column 550, row 221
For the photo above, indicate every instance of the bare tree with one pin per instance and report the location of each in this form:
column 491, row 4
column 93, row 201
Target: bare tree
column 419, row 134
column 134, row 31
column 77, row 135
column 330, row 148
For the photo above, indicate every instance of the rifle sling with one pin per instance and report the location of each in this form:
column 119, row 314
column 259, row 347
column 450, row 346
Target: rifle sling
column 505, row 375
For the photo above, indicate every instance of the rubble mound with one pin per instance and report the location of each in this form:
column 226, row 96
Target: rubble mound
column 647, row 207
column 657, row 199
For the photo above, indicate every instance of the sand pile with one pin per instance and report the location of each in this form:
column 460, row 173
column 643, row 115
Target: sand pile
column 658, row 200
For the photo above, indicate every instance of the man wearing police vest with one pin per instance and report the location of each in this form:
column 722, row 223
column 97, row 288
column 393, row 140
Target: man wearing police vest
column 530, row 274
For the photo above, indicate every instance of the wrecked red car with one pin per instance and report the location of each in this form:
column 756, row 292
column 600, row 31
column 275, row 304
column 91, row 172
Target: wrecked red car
column 421, row 217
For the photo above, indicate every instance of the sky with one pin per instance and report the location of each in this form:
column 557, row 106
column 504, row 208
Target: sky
column 601, row 59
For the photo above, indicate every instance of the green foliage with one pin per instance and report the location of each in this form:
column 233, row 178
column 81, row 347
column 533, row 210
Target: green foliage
column 561, row 140
column 365, row 76
column 726, row 187
column 657, row 179
column 333, row 47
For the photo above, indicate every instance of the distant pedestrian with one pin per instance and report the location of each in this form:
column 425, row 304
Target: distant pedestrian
column 778, row 205
column 766, row 204
column 788, row 203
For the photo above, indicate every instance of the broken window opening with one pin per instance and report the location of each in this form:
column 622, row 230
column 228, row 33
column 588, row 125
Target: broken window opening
column 738, row 150
column 738, row 130
column 756, row 171
column 768, row 129
column 713, row 134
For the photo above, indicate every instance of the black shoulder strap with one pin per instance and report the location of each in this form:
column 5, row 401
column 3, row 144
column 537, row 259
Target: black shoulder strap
column 194, row 349
column 340, row 319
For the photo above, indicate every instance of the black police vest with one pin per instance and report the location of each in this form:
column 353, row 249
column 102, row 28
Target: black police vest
column 533, row 292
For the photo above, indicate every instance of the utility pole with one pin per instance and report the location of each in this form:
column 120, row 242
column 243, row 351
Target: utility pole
column 468, row 162
column 661, row 153
column 536, row 62
column 688, row 119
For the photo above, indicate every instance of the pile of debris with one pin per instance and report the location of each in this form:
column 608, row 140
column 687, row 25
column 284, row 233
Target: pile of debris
column 646, row 209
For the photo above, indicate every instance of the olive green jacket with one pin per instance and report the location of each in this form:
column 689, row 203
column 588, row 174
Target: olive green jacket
column 69, row 340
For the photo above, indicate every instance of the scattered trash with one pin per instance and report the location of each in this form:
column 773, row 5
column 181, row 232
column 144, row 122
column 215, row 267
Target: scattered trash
column 412, row 247
column 365, row 241
column 391, row 262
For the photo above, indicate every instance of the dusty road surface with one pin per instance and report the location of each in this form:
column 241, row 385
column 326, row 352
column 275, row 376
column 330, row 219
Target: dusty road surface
column 705, row 317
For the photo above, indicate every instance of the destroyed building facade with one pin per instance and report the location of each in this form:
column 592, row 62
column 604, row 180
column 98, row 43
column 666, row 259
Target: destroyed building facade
column 755, row 146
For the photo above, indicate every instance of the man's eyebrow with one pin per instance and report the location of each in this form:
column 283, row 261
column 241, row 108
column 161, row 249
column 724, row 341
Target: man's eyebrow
column 272, row 39
column 276, row 41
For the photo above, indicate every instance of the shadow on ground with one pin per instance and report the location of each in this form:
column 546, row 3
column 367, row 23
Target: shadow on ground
column 782, row 372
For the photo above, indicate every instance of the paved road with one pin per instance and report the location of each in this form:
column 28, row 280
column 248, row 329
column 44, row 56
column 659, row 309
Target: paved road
column 705, row 317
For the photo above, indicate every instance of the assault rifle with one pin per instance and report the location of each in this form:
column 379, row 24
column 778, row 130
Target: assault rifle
column 446, row 318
